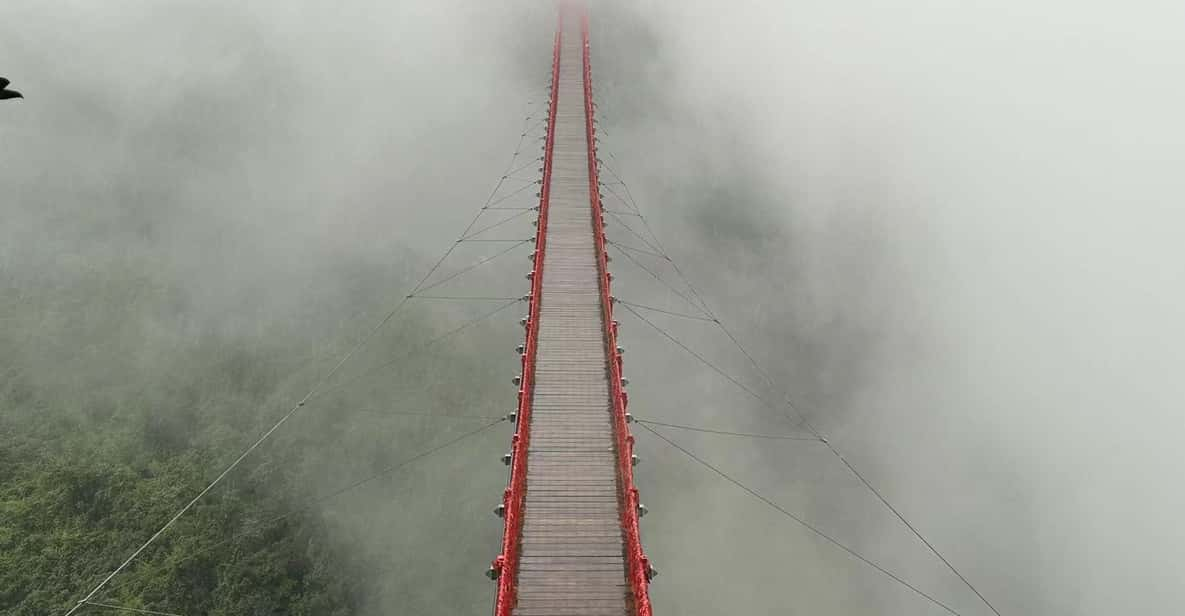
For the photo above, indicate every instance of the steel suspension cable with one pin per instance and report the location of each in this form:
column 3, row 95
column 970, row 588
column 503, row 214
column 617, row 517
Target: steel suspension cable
column 408, row 461
column 662, row 253
column 521, row 179
column 427, row 414
column 347, row 488
column 632, row 231
column 628, row 192
column 511, row 194
column 631, row 206
column 799, row 520
column 300, row 404
column 466, row 269
column 632, row 202
column 659, row 279
column 534, row 127
column 475, row 298
column 780, row 437
column 637, row 250
column 660, row 310
column 657, row 242
column 468, row 238
column 422, row 347
column 517, row 169
column 803, row 420
column 704, row 360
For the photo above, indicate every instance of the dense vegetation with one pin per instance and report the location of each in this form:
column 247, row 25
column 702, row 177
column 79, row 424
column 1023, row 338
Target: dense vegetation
column 105, row 446
column 154, row 321
column 179, row 264
column 120, row 400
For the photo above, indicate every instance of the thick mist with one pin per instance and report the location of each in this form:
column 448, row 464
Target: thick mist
column 950, row 231
column 204, row 205
column 947, row 230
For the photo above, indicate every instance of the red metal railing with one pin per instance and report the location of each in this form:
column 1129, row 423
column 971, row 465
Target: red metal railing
column 505, row 566
column 638, row 566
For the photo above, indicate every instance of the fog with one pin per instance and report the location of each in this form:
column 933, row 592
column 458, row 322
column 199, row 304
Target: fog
column 946, row 229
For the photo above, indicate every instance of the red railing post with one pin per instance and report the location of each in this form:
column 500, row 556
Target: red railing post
column 638, row 566
column 505, row 566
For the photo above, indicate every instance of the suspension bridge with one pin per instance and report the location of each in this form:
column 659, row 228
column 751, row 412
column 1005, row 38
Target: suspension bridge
column 571, row 543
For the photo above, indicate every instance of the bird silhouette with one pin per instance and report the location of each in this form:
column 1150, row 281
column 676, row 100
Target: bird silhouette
column 5, row 93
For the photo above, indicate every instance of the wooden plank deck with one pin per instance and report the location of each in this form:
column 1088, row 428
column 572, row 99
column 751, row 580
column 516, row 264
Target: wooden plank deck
column 572, row 557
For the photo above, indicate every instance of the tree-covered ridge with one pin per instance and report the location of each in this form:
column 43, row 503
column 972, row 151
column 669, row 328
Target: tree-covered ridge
column 105, row 434
column 116, row 410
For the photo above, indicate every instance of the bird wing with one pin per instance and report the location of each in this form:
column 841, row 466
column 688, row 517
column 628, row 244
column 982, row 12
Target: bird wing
column 4, row 83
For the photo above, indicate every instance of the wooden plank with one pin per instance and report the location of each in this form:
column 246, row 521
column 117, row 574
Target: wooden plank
column 572, row 559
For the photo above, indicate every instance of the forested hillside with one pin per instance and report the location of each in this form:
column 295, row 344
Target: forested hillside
column 204, row 206
column 118, row 405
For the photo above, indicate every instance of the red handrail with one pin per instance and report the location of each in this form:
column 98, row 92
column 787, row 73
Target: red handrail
column 505, row 566
column 637, row 563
